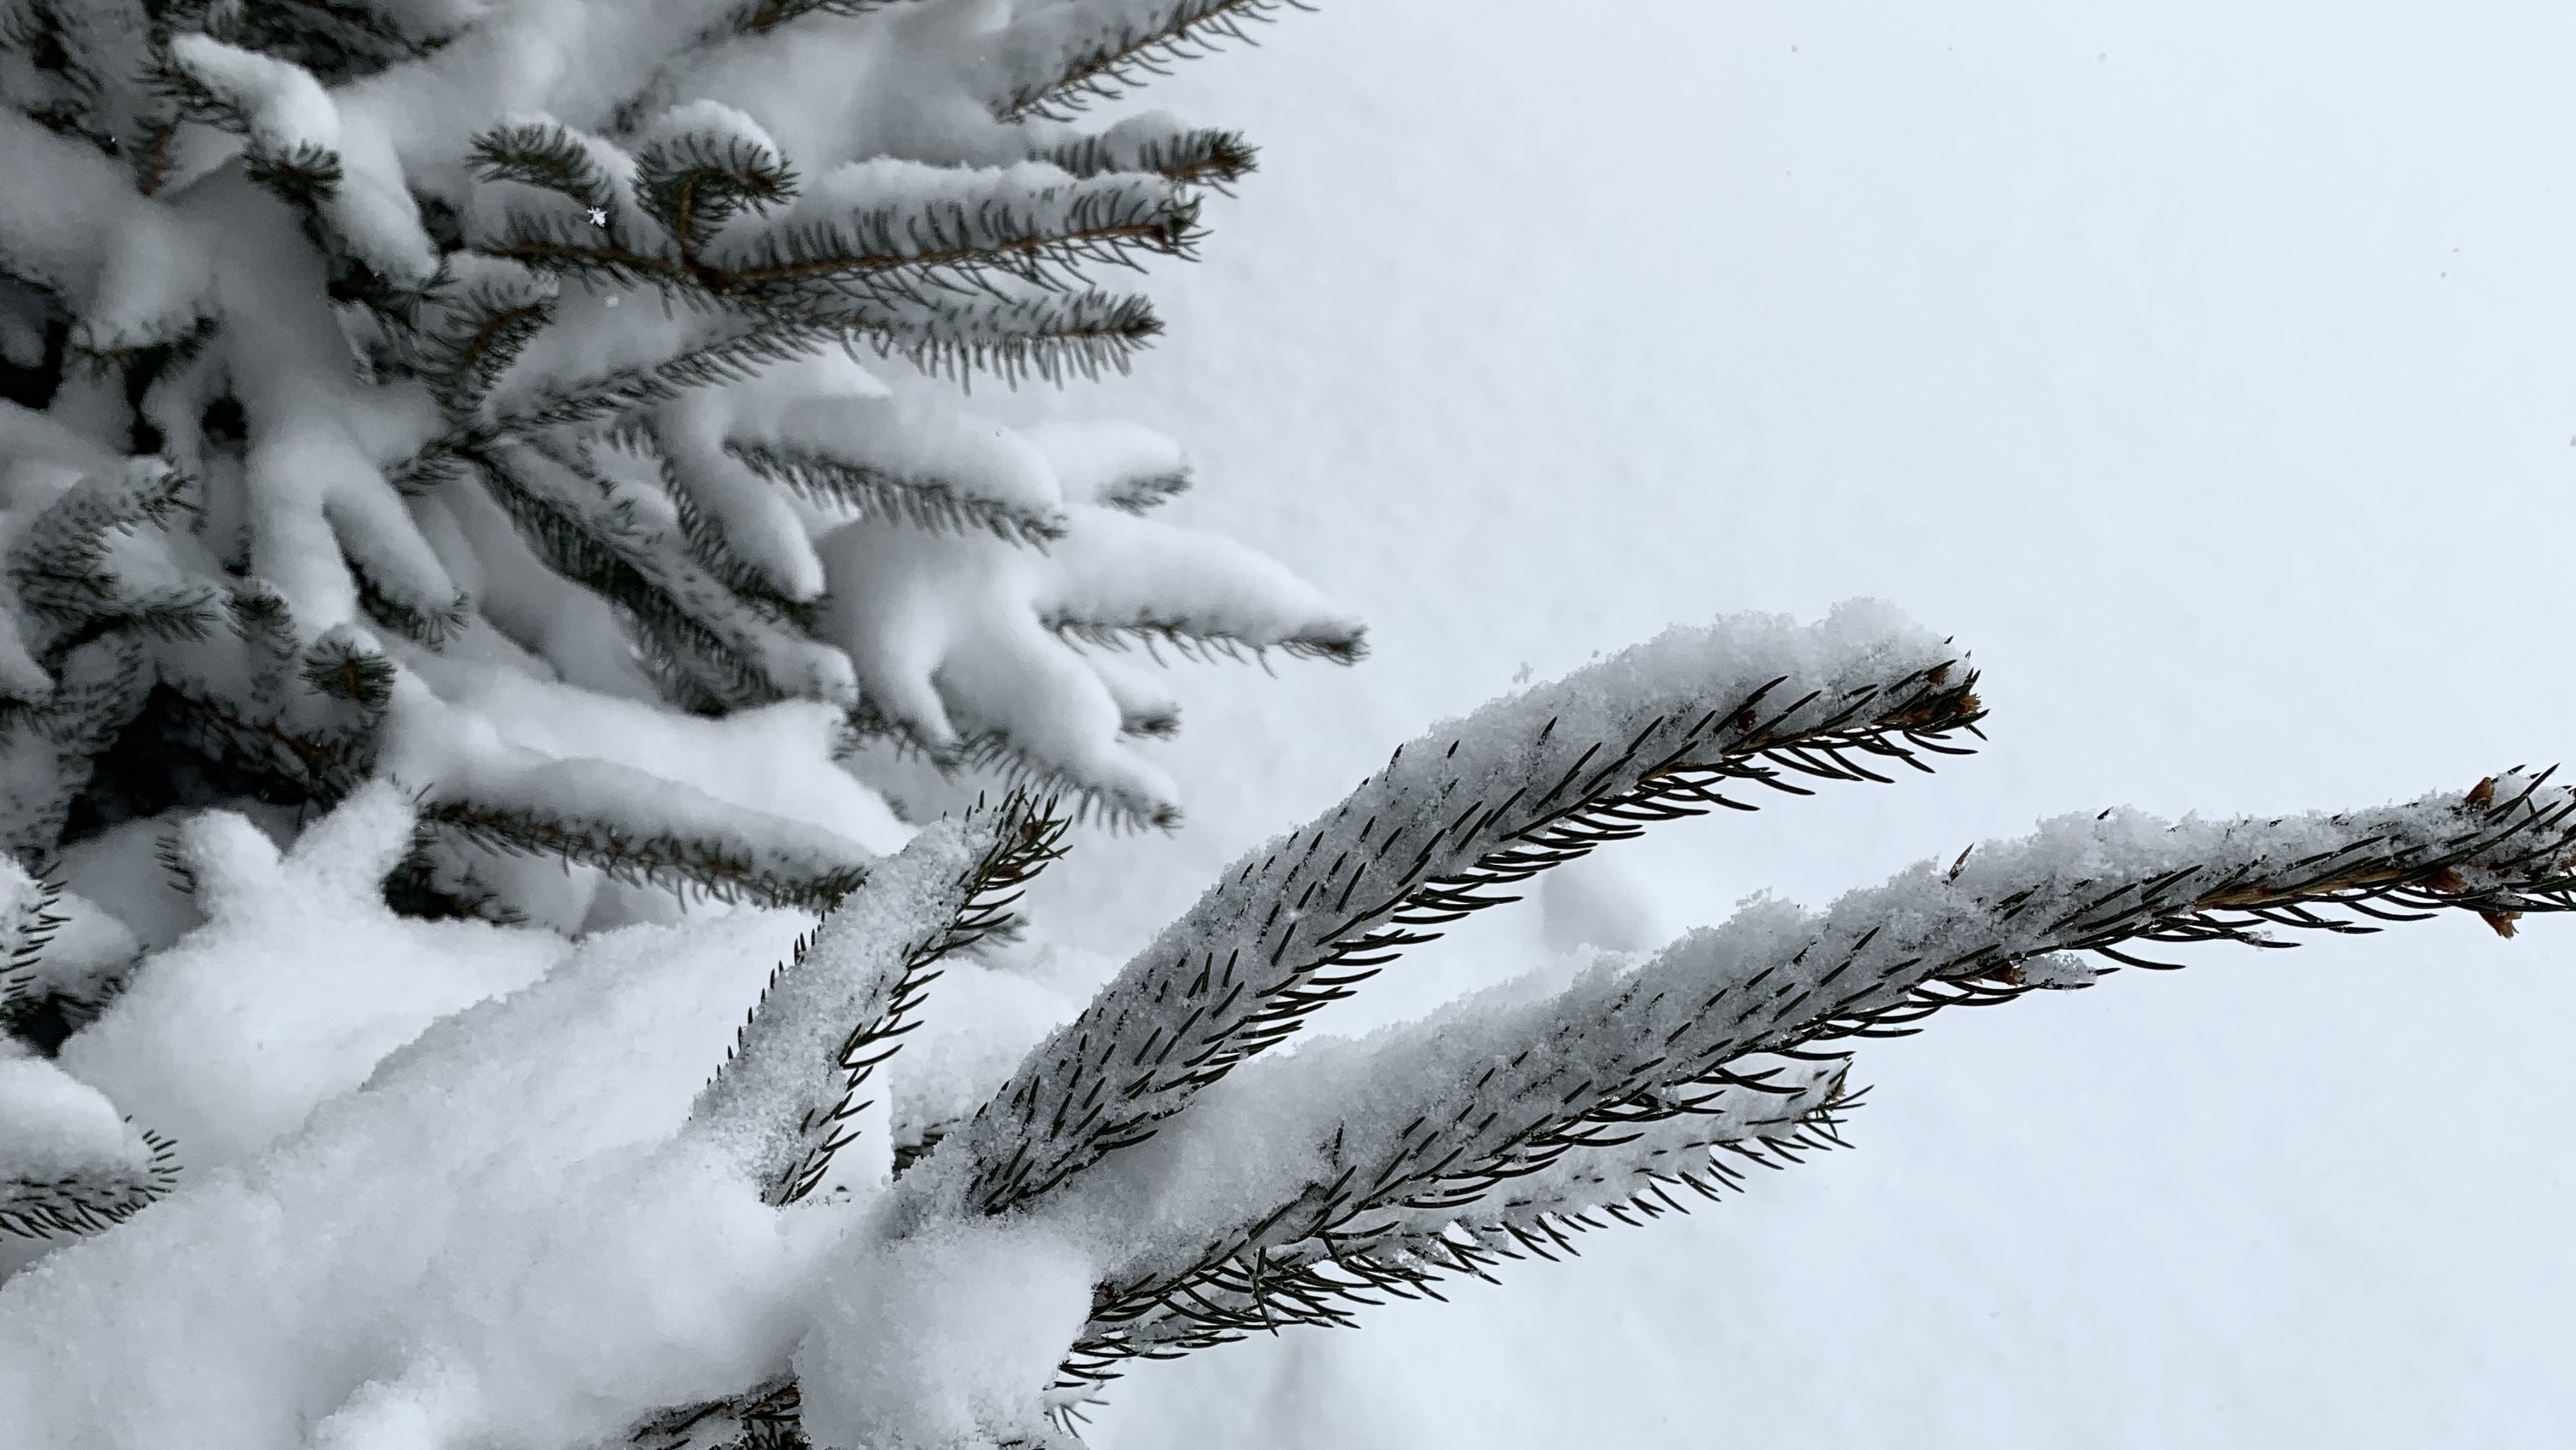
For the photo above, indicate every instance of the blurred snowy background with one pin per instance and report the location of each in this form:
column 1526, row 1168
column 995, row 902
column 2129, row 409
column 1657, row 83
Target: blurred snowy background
column 2206, row 368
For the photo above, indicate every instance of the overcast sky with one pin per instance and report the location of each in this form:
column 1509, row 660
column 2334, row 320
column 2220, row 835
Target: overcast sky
column 2205, row 367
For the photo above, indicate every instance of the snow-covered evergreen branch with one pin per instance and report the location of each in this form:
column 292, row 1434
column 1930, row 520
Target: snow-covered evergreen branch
column 1059, row 59
column 1493, row 1130
column 787, row 1099
column 371, row 279
column 1660, row 732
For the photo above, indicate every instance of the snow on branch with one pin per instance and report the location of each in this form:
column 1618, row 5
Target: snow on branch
column 1159, row 144
column 305, row 150
column 937, row 225
column 1659, row 732
column 1484, row 1132
column 125, row 266
column 787, row 1099
column 1353, row 1227
column 870, row 233
column 1125, row 581
column 69, row 1163
column 1053, row 336
column 603, row 533
column 927, row 466
column 704, row 165
column 41, row 1197
column 1057, row 60
column 80, row 565
column 924, row 616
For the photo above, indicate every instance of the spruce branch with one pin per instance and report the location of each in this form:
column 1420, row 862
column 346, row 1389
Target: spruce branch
column 1585, row 1105
column 588, row 534
column 70, row 569
column 1206, row 157
column 546, row 156
column 1368, row 1234
column 693, row 184
column 973, row 226
column 993, row 753
column 839, row 1008
column 337, row 40
column 91, row 1199
column 305, row 174
column 729, row 871
column 1658, row 733
column 732, row 355
column 474, row 340
column 1060, row 60
column 922, row 500
column 1193, row 639
column 1051, row 336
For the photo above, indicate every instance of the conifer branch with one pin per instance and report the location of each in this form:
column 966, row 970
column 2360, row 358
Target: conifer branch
column 65, row 566
column 1196, row 640
column 732, row 356
column 339, row 41
column 922, row 500
column 1046, row 236
column 91, row 1199
column 693, row 184
column 545, row 156
column 1085, row 802
column 1048, row 336
column 1211, row 158
column 1058, row 61
column 1371, row 1235
column 475, row 340
column 600, row 542
column 1657, row 734
column 840, row 1007
column 1583, row 1081
column 723, row 870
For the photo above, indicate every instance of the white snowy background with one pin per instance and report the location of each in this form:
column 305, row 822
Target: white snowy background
column 2206, row 368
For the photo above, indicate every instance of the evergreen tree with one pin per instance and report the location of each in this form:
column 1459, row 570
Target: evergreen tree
column 480, row 470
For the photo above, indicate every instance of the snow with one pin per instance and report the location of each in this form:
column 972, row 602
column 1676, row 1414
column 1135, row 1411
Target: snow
column 297, row 985
column 2134, row 372
column 139, row 273
column 499, row 1235
column 944, row 1338
column 287, row 112
column 54, row 1123
column 794, row 1088
column 1967, row 312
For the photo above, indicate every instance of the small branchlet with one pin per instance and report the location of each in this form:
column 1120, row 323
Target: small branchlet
column 722, row 870
column 1060, row 60
column 791, row 1091
column 922, row 500
column 91, row 1199
column 693, row 184
column 544, row 156
column 1211, row 158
